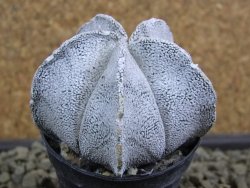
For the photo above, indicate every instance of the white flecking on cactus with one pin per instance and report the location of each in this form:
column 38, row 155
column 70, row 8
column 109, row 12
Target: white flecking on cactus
column 122, row 103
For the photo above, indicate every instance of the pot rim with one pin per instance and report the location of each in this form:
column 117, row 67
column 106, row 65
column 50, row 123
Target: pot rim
column 58, row 157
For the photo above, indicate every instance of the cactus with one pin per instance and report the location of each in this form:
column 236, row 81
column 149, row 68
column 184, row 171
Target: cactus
column 118, row 103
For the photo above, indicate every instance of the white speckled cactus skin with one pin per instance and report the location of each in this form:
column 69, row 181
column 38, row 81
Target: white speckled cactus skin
column 120, row 103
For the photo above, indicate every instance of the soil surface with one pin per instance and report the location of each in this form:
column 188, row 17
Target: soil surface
column 24, row 167
column 147, row 169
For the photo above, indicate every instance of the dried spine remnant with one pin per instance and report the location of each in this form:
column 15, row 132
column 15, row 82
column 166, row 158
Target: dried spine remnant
column 122, row 104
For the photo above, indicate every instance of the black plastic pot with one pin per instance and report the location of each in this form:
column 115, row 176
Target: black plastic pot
column 71, row 176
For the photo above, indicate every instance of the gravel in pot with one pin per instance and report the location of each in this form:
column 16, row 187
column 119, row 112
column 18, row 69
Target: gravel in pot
column 75, row 172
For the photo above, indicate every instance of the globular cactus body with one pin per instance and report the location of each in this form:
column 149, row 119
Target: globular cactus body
column 119, row 103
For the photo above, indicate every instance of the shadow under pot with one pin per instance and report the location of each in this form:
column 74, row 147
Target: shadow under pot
column 72, row 176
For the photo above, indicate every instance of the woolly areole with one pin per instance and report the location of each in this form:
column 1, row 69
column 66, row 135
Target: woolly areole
column 120, row 103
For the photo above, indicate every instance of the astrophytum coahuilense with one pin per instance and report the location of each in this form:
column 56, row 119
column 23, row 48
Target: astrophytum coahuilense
column 122, row 103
